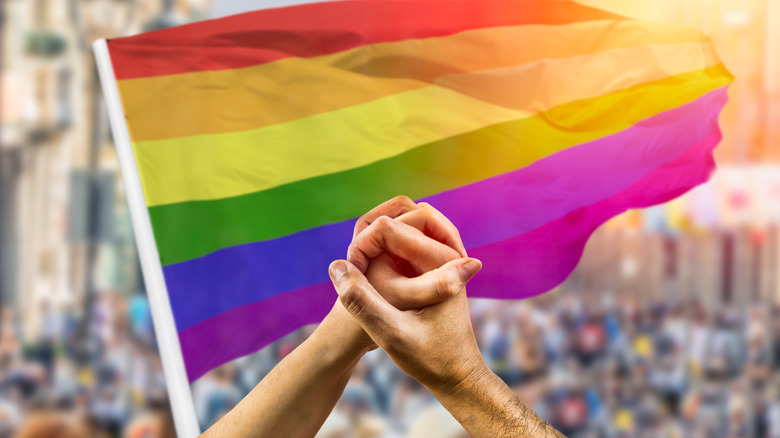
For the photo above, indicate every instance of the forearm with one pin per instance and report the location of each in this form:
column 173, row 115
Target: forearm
column 296, row 397
column 486, row 407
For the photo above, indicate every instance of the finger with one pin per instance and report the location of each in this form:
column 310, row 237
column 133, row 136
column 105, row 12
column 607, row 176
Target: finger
column 434, row 225
column 400, row 240
column 377, row 317
column 392, row 209
column 434, row 286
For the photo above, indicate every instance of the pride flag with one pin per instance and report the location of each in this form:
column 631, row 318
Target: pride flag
column 261, row 137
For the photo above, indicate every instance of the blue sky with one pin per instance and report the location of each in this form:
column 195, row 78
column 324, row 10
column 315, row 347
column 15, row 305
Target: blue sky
column 229, row 7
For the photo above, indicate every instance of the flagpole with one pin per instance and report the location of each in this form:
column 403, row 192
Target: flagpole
column 179, row 391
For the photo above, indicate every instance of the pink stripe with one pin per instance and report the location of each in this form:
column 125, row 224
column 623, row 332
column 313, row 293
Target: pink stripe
column 535, row 262
column 246, row 329
column 522, row 266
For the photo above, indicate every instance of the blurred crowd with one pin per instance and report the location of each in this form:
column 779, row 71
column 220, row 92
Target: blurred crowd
column 593, row 365
column 102, row 379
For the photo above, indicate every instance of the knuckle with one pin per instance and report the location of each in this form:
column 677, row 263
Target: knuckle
column 446, row 286
column 352, row 251
column 352, row 299
column 383, row 222
column 450, row 254
column 402, row 200
column 431, row 210
column 362, row 223
column 426, row 210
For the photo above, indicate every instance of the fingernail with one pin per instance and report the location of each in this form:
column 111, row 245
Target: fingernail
column 469, row 268
column 337, row 270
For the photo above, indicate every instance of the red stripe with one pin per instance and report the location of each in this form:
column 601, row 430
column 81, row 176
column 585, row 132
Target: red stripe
column 323, row 28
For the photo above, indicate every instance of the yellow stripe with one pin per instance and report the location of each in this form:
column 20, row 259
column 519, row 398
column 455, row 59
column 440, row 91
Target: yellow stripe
column 224, row 165
column 249, row 98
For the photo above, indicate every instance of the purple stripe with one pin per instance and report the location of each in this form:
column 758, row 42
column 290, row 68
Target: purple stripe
column 518, row 267
column 246, row 329
column 529, row 197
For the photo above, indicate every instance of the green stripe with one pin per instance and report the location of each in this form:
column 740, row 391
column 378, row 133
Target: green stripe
column 192, row 229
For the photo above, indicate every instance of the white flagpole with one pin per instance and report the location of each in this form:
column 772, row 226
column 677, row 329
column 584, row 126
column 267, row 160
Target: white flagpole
column 179, row 390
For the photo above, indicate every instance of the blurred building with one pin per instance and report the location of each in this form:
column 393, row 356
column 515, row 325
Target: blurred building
column 63, row 225
column 746, row 34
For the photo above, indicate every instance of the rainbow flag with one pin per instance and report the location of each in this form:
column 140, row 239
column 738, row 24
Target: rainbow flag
column 261, row 137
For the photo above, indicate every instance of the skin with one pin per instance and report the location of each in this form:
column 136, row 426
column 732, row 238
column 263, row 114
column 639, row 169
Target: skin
column 436, row 346
column 311, row 379
column 402, row 288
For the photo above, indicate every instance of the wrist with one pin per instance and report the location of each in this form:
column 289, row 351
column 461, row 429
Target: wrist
column 460, row 384
column 344, row 339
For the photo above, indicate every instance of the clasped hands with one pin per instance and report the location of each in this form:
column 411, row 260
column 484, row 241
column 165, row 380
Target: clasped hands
column 402, row 288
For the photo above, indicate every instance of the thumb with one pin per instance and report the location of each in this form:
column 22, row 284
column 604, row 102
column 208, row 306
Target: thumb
column 363, row 302
column 437, row 285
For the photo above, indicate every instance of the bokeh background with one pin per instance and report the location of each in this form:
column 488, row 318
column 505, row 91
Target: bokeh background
column 669, row 327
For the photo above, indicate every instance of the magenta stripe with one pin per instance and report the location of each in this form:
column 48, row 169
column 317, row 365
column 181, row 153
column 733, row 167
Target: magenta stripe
column 535, row 262
column 248, row 328
column 522, row 266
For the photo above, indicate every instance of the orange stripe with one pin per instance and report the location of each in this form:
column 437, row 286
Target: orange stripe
column 250, row 98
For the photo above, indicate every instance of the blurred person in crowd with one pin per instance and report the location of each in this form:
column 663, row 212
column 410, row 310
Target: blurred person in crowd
column 139, row 372
column 728, row 349
column 590, row 337
column 775, row 337
column 700, row 333
column 669, row 378
column 48, row 333
column 737, row 422
column 155, row 421
column 102, row 321
column 216, row 393
column 49, row 422
column 772, row 410
column 358, row 404
column 10, row 334
column 10, row 415
column 434, row 420
column 555, row 338
column 140, row 318
column 359, row 392
column 382, row 376
column 758, row 363
column 409, row 398
column 570, row 412
column 759, row 419
column 527, row 357
column 110, row 402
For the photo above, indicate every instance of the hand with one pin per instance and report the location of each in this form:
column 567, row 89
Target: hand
column 311, row 378
column 434, row 345
column 394, row 253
